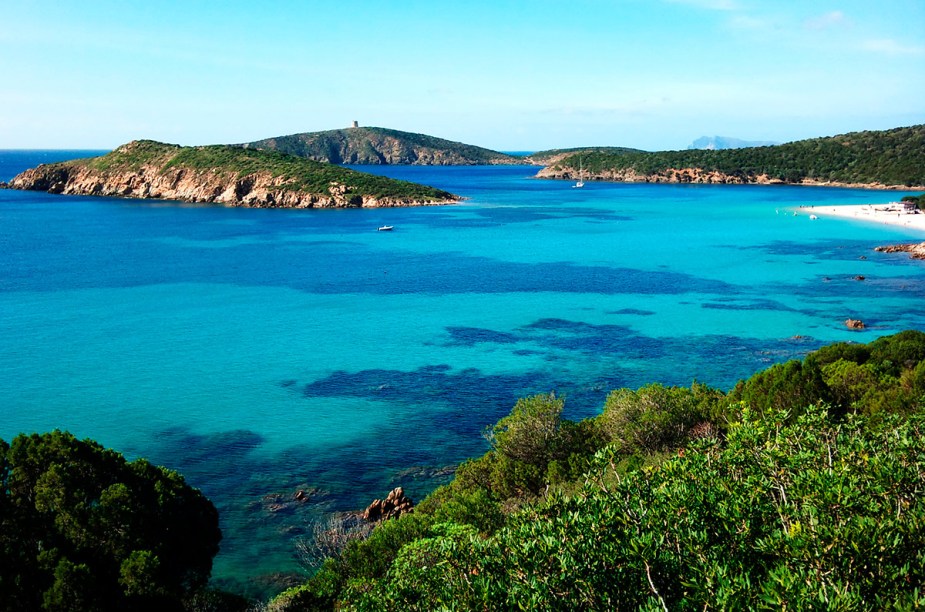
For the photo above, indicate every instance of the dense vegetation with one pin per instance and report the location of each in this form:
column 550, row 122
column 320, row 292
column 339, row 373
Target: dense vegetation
column 82, row 529
column 802, row 487
column 301, row 175
column 373, row 145
column 890, row 157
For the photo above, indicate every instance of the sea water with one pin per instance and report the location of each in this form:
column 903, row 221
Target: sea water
column 266, row 352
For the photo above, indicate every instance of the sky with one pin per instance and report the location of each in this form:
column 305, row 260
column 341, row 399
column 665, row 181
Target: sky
column 510, row 75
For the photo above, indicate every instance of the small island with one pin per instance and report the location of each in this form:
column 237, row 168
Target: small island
column 227, row 175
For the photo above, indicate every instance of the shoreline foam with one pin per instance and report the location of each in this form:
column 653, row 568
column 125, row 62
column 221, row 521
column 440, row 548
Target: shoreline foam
column 886, row 214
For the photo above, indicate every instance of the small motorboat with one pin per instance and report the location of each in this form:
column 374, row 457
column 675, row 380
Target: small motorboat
column 386, row 228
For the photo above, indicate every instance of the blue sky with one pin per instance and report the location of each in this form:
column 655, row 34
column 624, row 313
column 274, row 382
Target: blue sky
column 504, row 74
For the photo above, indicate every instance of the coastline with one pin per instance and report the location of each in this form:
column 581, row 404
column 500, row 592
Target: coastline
column 885, row 214
column 699, row 176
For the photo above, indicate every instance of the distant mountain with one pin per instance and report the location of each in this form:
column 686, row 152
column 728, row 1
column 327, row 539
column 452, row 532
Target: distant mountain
column 875, row 159
column 714, row 143
column 376, row 146
column 226, row 175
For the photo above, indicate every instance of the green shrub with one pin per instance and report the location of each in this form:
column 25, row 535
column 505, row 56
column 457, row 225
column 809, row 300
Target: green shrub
column 788, row 386
column 788, row 513
column 656, row 418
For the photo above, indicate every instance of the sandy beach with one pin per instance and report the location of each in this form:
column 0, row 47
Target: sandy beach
column 888, row 214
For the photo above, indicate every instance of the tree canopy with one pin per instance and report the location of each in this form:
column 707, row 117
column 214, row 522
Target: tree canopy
column 81, row 528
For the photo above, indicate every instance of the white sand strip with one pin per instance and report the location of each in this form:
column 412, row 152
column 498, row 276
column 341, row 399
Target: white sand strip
column 887, row 214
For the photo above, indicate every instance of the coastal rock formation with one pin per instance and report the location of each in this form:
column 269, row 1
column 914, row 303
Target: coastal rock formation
column 854, row 324
column 224, row 175
column 694, row 176
column 394, row 505
column 916, row 251
column 378, row 146
column 670, row 175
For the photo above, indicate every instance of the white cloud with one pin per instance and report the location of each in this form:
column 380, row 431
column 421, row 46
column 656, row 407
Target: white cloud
column 832, row 19
column 890, row 46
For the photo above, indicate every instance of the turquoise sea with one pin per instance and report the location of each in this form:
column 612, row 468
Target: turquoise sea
column 263, row 352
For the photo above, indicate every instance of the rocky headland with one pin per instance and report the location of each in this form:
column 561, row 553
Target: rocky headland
column 226, row 175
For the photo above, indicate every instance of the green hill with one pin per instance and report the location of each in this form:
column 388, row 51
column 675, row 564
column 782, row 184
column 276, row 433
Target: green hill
column 878, row 158
column 227, row 175
column 373, row 145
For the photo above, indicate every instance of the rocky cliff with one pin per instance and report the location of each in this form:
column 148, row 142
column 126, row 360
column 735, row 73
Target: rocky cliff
column 224, row 175
column 361, row 145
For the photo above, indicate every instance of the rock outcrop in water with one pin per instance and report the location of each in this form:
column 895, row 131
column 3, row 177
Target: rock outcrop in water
column 916, row 251
column 394, row 505
column 226, row 175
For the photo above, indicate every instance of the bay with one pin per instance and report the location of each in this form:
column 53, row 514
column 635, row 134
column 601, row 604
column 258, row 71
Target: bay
column 264, row 352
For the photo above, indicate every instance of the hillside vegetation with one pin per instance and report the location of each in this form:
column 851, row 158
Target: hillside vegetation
column 891, row 157
column 800, row 488
column 373, row 145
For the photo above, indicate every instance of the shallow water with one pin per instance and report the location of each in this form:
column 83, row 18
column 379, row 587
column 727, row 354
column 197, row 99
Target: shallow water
column 262, row 352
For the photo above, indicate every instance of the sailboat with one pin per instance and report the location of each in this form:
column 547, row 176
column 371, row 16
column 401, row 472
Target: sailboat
column 580, row 182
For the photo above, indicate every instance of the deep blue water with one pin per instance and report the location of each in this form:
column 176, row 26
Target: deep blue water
column 260, row 352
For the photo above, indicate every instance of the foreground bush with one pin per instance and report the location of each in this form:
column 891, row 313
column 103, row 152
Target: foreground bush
column 82, row 529
column 802, row 515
